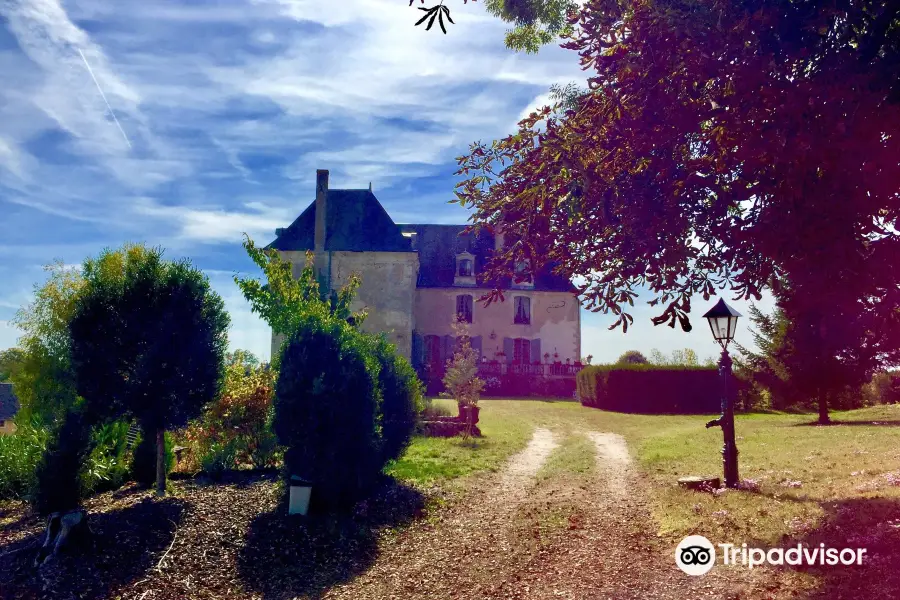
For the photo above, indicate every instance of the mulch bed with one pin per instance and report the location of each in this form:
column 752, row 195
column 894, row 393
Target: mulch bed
column 229, row 539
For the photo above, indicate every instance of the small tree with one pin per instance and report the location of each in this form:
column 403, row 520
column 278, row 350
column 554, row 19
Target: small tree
column 148, row 340
column 284, row 301
column 632, row 357
column 461, row 379
column 44, row 381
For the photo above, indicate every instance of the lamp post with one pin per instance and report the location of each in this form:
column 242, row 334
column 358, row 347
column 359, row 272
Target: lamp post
column 723, row 324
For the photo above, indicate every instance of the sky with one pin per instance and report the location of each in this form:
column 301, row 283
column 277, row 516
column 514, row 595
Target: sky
column 184, row 124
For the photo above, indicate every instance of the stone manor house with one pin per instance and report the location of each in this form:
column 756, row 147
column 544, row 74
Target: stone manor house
column 417, row 278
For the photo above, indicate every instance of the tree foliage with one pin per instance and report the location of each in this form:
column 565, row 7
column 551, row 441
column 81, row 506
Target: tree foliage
column 461, row 381
column 402, row 398
column 722, row 145
column 44, row 382
column 148, row 340
column 11, row 361
column 285, row 301
column 632, row 357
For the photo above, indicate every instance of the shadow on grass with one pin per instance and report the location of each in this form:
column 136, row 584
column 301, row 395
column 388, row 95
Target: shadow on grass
column 285, row 557
column 870, row 523
column 884, row 423
column 125, row 545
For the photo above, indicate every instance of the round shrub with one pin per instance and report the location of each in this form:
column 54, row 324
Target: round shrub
column 632, row 357
column 402, row 399
column 327, row 401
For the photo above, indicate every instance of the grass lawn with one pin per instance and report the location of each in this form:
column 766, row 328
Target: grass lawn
column 806, row 475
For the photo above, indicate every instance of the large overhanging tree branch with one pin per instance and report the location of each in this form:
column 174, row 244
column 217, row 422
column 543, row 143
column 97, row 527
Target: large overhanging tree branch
column 720, row 146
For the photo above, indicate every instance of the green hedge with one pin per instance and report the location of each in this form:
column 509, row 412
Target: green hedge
column 651, row 389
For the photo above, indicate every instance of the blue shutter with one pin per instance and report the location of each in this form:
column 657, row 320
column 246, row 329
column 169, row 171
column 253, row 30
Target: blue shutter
column 418, row 350
column 509, row 348
column 476, row 344
column 535, row 351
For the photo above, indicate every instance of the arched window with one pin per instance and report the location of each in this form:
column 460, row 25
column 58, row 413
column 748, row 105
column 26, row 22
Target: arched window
column 465, row 267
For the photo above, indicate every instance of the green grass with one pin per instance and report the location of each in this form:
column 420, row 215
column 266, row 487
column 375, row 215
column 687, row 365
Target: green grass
column 837, row 464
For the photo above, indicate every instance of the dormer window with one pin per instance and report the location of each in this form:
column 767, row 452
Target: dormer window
column 465, row 270
column 522, row 267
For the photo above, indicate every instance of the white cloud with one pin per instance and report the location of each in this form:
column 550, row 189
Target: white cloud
column 212, row 224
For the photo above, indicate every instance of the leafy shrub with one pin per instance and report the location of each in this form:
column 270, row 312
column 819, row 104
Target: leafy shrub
column 632, row 357
column 402, row 398
column 143, row 462
column 107, row 466
column 432, row 410
column 651, row 389
column 327, row 404
column 240, row 417
column 883, row 389
column 20, row 454
column 219, row 457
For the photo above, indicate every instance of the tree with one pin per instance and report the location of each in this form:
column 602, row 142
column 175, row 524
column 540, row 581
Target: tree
column 461, row 381
column 536, row 22
column 44, row 382
column 738, row 145
column 284, row 301
column 11, row 361
column 632, row 357
column 148, row 340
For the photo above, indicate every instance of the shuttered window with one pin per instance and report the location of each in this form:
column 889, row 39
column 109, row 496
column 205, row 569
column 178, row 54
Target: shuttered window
column 464, row 308
column 522, row 351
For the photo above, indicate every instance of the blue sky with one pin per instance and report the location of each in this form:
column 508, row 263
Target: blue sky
column 223, row 112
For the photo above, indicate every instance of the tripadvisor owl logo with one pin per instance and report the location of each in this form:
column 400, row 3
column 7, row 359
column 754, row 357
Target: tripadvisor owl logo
column 695, row 555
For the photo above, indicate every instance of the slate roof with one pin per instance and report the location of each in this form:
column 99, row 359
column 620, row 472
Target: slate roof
column 9, row 404
column 438, row 246
column 356, row 222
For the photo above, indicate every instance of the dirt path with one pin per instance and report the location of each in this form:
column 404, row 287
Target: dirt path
column 466, row 552
column 496, row 545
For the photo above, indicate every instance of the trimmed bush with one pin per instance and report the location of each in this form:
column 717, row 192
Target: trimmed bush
column 58, row 475
column 651, row 389
column 402, row 398
column 327, row 407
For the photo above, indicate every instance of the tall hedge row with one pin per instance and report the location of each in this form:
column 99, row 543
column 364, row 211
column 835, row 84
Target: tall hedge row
column 651, row 389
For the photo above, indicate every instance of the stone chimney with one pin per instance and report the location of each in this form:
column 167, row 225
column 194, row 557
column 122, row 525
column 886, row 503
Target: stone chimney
column 321, row 209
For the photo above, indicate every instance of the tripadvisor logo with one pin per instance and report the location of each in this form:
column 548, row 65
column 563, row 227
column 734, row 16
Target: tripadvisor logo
column 696, row 555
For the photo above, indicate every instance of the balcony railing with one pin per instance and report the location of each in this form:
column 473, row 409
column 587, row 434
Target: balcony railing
column 496, row 369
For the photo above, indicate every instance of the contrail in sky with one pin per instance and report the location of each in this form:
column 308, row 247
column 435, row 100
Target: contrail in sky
column 102, row 95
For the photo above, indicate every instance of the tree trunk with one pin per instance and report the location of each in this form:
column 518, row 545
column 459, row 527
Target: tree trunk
column 824, row 419
column 160, row 462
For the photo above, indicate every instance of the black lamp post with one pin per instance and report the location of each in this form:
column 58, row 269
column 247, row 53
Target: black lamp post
column 723, row 323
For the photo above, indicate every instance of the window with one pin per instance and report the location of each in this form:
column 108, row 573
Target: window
column 465, row 267
column 464, row 308
column 521, row 351
column 523, row 310
column 2, row 423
